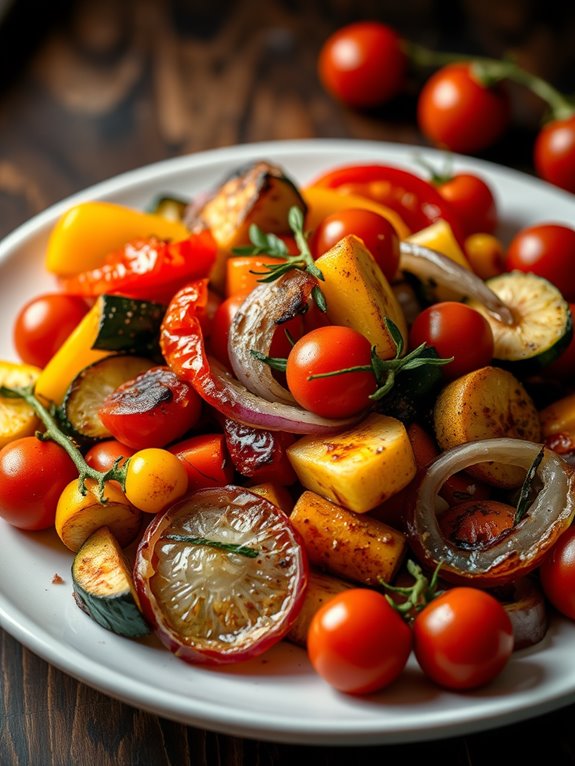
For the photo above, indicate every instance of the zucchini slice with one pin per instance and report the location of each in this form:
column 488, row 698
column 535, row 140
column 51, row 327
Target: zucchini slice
column 257, row 193
column 169, row 207
column 103, row 586
column 78, row 413
column 543, row 325
column 129, row 325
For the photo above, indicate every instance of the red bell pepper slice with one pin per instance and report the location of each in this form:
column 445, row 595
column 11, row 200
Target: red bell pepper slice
column 150, row 269
column 413, row 198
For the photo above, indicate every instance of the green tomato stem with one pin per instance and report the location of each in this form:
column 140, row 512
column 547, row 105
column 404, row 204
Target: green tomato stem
column 489, row 71
column 53, row 432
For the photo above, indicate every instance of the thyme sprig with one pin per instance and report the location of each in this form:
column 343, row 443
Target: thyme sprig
column 47, row 415
column 274, row 247
column 242, row 550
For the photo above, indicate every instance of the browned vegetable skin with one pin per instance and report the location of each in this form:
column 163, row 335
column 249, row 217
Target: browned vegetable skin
column 486, row 403
column 346, row 544
column 258, row 193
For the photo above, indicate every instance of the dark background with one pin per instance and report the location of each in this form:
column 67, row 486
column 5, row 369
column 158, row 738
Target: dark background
column 89, row 89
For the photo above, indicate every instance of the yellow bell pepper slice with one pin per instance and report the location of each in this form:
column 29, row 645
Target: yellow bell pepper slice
column 86, row 233
column 323, row 202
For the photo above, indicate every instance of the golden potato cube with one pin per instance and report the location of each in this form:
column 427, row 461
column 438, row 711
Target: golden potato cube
column 358, row 294
column 358, row 468
column 347, row 544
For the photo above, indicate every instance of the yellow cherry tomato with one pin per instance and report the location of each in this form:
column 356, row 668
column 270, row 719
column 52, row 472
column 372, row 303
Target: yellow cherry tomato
column 155, row 478
column 485, row 254
column 78, row 515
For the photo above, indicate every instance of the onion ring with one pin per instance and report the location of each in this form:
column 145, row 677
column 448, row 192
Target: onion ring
column 255, row 322
column 514, row 554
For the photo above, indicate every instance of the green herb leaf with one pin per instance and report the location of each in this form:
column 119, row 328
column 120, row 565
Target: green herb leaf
column 525, row 492
column 242, row 550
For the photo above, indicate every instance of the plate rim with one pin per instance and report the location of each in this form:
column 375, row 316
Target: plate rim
column 238, row 725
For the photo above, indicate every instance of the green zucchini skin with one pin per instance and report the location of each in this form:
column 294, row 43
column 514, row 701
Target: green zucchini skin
column 170, row 207
column 103, row 586
column 78, row 414
column 130, row 326
column 543, row 325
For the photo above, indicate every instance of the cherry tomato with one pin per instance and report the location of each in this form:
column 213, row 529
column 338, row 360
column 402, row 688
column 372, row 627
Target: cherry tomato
column 473, row 202
column 463, row 638
column 206, row 460
column 155, row 478
column 377, row 233
column 363, row 64
column 554, row 153
column 44, row 323
column 104, row 454
column 33, row 474
column 548, row 250
column 214, row 605
column 454, row 330
column 326, row 350
column 485, row 254
column 457, row 112
column 358, row 642
column 152, row 410
column 557, row 573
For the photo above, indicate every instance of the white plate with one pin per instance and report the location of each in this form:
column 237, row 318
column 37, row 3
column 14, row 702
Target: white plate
column 276, row 697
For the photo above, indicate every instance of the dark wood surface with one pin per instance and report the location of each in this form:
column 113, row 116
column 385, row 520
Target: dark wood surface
column 92, row 89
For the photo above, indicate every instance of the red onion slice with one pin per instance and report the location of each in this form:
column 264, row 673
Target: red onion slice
column 231, row 398
column 523, row 548
column 265, row 309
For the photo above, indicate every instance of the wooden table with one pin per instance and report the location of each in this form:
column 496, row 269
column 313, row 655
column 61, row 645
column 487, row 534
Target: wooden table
column 92, row 89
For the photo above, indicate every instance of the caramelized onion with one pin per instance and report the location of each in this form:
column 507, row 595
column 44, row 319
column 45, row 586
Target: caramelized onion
column 227, row 395
column 514, row 554
column 265, row 309
column 429, row 265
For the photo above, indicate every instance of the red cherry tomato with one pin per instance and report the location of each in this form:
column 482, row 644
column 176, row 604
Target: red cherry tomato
column 104, row 454
column 377, row 233
column 152, row 410
column 548, row 250
column 457, row 112
column 554, row 153
column 363, row 64
column 454, row 330
column 33, row 474
column 557, row 574
column 463, row 638
column 324, row 350
column 44, row 323
column 358, row 642
column 472, row 200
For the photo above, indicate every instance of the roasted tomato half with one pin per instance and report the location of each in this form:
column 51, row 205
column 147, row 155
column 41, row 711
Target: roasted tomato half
column 221, row 575
column 152, row 410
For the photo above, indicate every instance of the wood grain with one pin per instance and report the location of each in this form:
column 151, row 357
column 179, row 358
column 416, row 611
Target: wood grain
column 93, row 88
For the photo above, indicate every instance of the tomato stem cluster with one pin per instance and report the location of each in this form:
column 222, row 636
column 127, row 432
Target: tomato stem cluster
column 418, row 595
column 53, row 432
column 488, row 72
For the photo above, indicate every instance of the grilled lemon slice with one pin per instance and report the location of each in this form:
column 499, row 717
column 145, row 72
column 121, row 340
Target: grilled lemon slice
column 542, row 328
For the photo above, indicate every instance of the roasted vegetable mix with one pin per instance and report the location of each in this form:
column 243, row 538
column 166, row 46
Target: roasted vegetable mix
column 284, row 413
